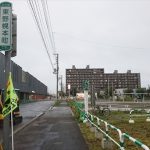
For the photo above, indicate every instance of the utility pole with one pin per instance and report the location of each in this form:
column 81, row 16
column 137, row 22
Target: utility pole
column 112, row 92
column 57, row 72
column 6, row 122
column 61, row 87
column 92, row 96
column 108, row 88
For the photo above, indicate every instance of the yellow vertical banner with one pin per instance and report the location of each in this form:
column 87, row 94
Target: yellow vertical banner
column 11, row 98
column 1, row 147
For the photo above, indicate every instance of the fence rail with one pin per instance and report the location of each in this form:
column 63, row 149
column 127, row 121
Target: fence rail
column 97, row 124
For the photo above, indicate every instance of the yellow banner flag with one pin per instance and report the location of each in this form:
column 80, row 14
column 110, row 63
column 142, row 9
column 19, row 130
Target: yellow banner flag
column 11, row 98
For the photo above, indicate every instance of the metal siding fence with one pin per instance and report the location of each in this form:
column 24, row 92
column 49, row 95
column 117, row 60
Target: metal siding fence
column 30, row 84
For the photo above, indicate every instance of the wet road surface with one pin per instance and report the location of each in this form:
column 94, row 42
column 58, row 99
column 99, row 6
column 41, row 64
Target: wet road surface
column 55, row 130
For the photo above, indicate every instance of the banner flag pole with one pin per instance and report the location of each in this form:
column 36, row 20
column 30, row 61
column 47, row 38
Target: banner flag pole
column 12, row 129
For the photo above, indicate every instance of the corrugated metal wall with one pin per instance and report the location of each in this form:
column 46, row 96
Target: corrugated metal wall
column 22, row 80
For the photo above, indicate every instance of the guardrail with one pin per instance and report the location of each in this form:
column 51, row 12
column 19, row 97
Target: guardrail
column 139, row 115
column 97, row 124
column 106, row 132
column 136, row 142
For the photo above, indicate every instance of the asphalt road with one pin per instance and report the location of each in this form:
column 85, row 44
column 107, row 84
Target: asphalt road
column 29, row 111
column 55, row 130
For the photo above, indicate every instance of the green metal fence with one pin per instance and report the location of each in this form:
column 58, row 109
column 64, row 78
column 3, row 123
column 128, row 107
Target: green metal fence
column 97, row 123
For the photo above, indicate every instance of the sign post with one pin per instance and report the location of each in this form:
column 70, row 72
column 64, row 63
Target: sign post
column 6, row 45
column 69, row 87
column 86, row 88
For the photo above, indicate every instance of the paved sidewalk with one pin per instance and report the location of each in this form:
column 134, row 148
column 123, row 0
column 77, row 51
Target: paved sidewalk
column 55, row 130
column 30, row 111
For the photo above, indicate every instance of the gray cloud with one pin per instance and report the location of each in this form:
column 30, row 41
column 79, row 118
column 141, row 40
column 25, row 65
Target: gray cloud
column 109, row 34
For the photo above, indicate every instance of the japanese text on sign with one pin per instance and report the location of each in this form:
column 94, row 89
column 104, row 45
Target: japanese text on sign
column 5, row 26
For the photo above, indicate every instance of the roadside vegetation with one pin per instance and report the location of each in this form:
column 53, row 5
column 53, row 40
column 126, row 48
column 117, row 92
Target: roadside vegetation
column 139, row 130
column 57, row 103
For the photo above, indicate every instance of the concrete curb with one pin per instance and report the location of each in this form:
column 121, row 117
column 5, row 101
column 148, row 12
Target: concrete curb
column 28, row 123
column 23, row 126
column 72, row 112
column 51, row 108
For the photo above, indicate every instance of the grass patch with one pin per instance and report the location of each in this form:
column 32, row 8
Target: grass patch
column 93, row 143
column 57, row 103
column 140, row 130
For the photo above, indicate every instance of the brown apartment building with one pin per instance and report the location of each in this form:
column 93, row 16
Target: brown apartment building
column 99, row 80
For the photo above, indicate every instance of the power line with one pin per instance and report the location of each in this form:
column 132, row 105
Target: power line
column 38, row 17
column 48, row 23
column 49, row 19
column 41, row 15
column 99, row 43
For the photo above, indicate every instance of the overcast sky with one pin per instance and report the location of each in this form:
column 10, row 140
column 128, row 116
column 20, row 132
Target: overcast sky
column 109, row 34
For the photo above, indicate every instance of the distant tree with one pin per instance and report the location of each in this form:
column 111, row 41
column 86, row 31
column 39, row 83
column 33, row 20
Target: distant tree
column 98, row 94
column 128, row 91
column 108, row 92
column 73, row 91
column 128, row 95
column 141, row 90
column 62, row 93
column 148, row 90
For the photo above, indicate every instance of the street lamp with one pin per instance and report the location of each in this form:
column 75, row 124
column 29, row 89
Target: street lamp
column 60, row 78
column 34, row 94
column 69, row 87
